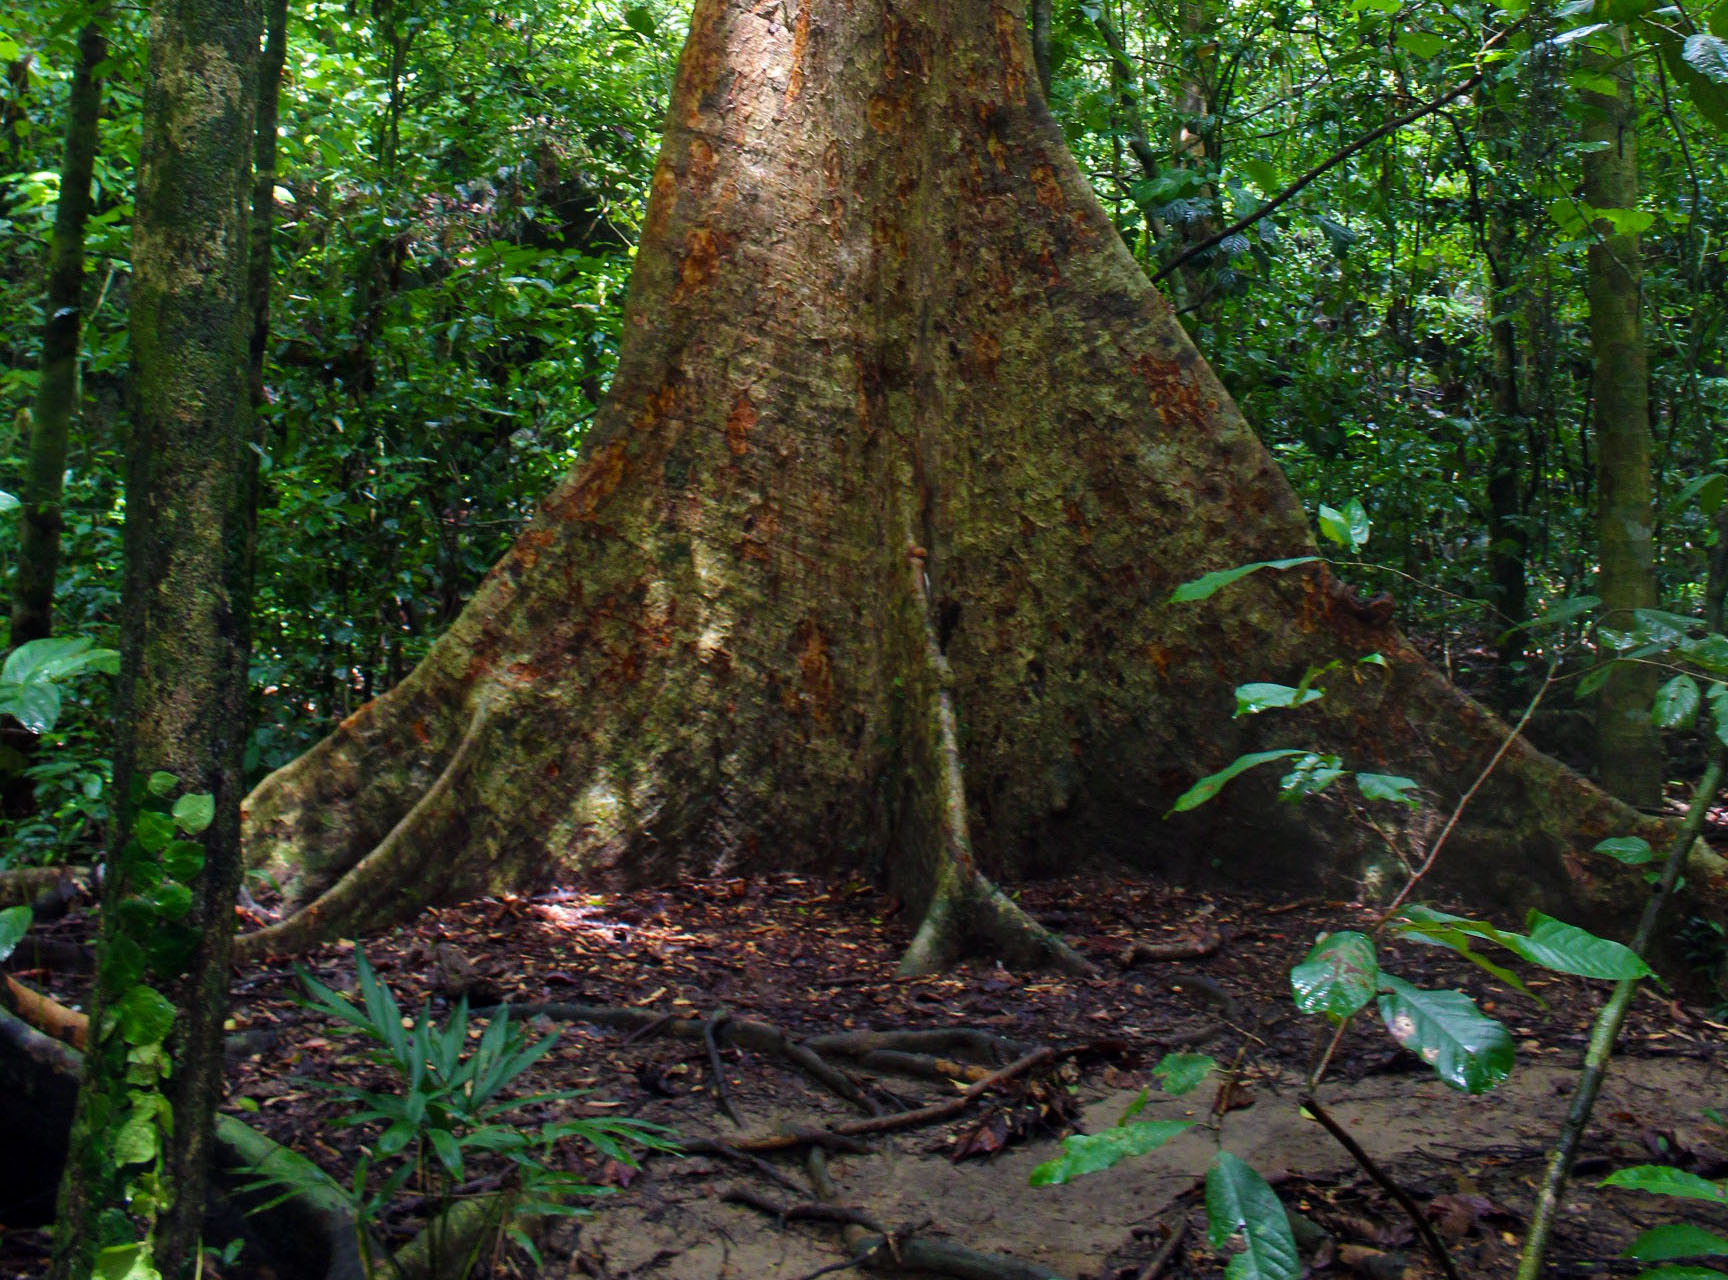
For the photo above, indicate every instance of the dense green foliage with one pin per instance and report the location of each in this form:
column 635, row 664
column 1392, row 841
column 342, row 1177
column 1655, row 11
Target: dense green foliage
column 460, row 185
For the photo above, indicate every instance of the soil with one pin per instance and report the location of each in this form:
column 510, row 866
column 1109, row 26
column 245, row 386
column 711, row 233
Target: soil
column 817, row 959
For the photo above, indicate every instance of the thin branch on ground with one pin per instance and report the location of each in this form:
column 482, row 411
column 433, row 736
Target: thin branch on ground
column 1430, row 1238
column 1166, row 1251
column 723, row 1095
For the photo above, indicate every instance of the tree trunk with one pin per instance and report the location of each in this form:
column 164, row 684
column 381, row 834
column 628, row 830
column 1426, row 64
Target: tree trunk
column 57, row 390
column 182, row 695
column 869, row 559
column 1628, row 752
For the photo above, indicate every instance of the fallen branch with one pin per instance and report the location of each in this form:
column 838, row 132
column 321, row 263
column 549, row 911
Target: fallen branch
column 932, row 1114
column 983, row 1045
column 713, row 1147
column 1196, row 946
column 1156, row 1264
column 1430, row 1238
column 643, row 1024
column 45, row 1013
column 722, row 1095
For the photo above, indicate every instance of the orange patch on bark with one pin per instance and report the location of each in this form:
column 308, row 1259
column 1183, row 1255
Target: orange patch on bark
column 700, row 265
column 596, row 482
column 699, row 173
column 421, row 734
column 1158, row 656
column 816, row 669
column 886, row 113
column 1047, row 188
column 982, row 358
column 656, row 408
column 739, row 424
column 1176, row 393
column 800, row 42
column 349, row 721
column 662, row 199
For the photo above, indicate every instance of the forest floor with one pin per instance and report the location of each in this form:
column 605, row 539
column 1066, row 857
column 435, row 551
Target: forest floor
column 817, row 959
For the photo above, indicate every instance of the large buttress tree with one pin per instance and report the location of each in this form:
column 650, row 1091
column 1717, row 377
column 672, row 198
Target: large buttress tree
column 867, row 565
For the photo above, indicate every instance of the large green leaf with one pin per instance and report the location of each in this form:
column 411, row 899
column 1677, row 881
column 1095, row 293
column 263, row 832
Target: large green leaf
column 1093, row 1152
column 1676, row 1240
column 145, row 1016
column 1466, row 1048
column 1676, row 704
column 14, row 924
column 194, row 812
column 1180, row 1073
column 1707, row 55
column 55, row 659
column 1388, row 786
column 8, row 502
column 1339, row 975
column 1666, row 1180
column 1210, row 583
column 1213, row 783
column 36, row 705
column 1565, row 948
column 1634, row 851
column 1238, row 1200
column 1251, row 699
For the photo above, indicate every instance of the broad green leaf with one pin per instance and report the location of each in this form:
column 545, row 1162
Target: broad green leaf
column 1634, row 851
column 172, row 901
column 8, row 502
column 1624, row 222
column 1422, row 924
column 1312, row 775
column 1676, row 705
column 1263, row 174
column 1594, row 679
column 1388, row 786
column 136, row 1142
column 193, row 813
column 1561, row 611
column 1092, row 1152
column 14, row 924
column 1238, row 1199
column 1466, row 1048
column 36, row 705
column 1251, row 699
column 1709, row 489
column 1681, row 1273
column 1565, row 948
column 145, row 1016
column 1212, row 784
column 1334, row 527
column 1709, row 652
column 1422, row 44
column 1180, row 1073
column 1707, row 55
column 55, row 659
column 1210, row 583
column 162, row 784
column 126, row 1262
column 1676, row 1240
column 183, row 859
column 1339, row 975
column 153, row 831
column 640, row 19
column 1666, row 1180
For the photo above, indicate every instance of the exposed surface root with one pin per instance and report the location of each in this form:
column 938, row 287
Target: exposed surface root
column 392, row 870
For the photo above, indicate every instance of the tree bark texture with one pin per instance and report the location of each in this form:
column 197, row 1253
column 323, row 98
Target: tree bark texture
column 56, row 402
column 868, row 562
column 182, row 694
column 1628, row 752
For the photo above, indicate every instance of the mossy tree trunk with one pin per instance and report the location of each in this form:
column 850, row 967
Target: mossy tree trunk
column 867, row 565
column 56, row 402
column 1628, row 752
column 182, row 696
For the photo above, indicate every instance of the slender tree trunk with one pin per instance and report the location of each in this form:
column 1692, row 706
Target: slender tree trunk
column 182, row 705
column 57, row 391
column 1041, row 44
column 1629, row 754
column 258, row 260
column 1508, row 539
column 869, row 558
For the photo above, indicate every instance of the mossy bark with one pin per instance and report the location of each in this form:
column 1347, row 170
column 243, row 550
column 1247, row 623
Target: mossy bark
column 879, row 322
column 1628, row 752
column 56, row 402
column 182, row 695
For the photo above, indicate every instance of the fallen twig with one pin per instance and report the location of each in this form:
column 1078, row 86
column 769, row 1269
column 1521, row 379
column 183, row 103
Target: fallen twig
column 1196, row 946
column 1155, row 1266
column 1430, row 1239
column 711, row 1147
column 710, row 1030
